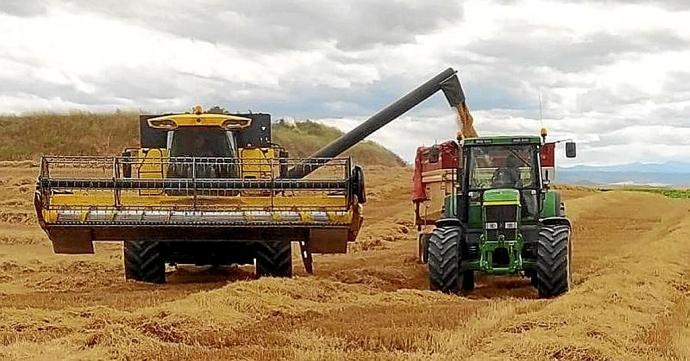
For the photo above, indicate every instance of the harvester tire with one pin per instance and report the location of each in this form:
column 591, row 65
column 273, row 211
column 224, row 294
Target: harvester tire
column 144, row 261
column 274, row 259
column 444, row 258
column 553, row 261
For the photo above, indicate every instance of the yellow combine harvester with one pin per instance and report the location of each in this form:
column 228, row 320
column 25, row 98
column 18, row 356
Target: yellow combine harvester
column 212, row 189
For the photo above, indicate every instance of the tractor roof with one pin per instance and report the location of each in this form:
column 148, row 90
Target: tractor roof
column 502, row 140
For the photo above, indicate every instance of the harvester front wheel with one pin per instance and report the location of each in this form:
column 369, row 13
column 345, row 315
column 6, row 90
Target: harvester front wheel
column 274, row 259
column 444, row 258
column 144, row 261
column 553, row 261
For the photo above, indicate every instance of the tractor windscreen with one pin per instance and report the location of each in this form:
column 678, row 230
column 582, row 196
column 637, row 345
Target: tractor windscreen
column 202, row 142
column 503, row 166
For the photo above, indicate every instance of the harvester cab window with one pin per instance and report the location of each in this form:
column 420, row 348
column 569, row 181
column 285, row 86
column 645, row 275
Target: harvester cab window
column 203, row 142
column 510, row 166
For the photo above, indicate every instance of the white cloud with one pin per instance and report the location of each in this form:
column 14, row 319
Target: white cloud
column 612, row 74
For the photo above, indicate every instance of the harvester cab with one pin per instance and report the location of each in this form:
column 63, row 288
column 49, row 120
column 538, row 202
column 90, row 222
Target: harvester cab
column 212, row 189
column 218, row 141
column 493, row 212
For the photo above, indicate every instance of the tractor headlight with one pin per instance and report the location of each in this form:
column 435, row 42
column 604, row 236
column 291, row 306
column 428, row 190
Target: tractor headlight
column 511, row 225
column 491, row 225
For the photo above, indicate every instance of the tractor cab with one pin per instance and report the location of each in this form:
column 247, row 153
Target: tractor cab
column 503, row 167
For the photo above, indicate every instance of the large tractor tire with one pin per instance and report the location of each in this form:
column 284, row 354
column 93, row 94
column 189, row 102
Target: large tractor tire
column 553, row 261
column 444, row 257
column 144, row 261
column 274, row 259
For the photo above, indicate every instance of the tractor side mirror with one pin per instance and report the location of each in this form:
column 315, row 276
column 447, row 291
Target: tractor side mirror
column 570, row 150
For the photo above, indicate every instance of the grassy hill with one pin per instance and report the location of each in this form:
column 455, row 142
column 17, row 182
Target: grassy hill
column 30, row 136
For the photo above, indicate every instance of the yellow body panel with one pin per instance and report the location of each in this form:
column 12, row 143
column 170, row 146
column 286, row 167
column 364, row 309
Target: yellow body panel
column 259, row 163
column 151, row 167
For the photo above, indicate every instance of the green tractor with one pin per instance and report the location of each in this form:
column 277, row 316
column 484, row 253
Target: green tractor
column 502, row 218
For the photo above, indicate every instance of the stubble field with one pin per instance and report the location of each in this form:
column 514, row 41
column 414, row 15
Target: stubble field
column 631, row 299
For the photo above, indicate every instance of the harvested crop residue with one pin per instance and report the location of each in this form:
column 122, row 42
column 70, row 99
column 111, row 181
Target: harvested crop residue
column 631, row 300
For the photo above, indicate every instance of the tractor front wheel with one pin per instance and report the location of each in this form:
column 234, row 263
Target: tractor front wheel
column 553, row 261
column 444, row 258
column 144, row 261
column 274, row 259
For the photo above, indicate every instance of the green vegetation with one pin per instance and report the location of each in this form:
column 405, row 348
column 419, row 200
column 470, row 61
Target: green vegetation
column 82, row 133
column 667, row 192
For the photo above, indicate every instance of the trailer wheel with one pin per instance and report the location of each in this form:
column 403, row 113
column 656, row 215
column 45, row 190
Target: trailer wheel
column 274, row 259
column 444, row 258
column 553, row 261
column 144, row 261
column 423, row 247
column 358, row 187
column 467, row 280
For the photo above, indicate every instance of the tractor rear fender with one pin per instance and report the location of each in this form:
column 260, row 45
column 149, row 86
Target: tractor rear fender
column 553, row 205
column 556, row 221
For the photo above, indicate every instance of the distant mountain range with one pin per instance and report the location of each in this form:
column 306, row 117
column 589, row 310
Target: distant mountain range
column 672, row 174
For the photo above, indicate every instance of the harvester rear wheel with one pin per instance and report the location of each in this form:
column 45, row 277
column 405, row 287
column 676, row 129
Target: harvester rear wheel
column 274, row 259
column 444, row 258
column 553, row 261
column 144, row 261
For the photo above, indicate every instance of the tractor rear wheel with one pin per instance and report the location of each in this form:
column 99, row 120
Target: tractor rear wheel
column 553, row 261
column 274, row 259
column 144, row 261
column 444, row 258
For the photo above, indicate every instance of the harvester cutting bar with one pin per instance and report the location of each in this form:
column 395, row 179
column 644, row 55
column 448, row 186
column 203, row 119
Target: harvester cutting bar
column 190, row 184
column 141, row 184
column 188, row 173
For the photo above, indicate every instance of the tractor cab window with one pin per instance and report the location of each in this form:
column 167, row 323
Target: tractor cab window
column 503, row 166
column 202, row 142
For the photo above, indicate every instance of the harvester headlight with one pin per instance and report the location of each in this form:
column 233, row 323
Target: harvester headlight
column 162, row 124
column 491, row 225
column 235, row 124
column 511, row 225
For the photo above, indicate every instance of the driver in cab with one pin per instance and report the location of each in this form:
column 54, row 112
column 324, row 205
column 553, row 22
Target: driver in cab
column 508, row 176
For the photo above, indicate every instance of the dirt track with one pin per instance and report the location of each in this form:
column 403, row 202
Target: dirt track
column 632, row 299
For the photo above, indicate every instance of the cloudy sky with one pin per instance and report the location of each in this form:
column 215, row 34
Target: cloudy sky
column 613, row 75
